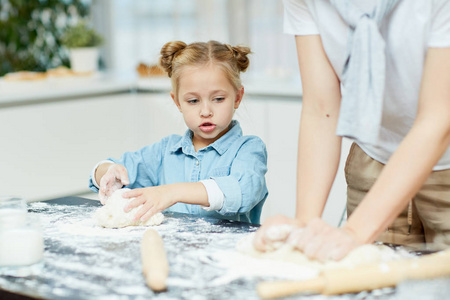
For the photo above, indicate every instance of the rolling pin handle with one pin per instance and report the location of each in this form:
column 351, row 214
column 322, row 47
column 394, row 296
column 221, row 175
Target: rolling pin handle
column 155, row 266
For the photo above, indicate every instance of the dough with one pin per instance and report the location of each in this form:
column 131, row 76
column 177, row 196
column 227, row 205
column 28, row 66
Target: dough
column 111, row 215
column 362, row 255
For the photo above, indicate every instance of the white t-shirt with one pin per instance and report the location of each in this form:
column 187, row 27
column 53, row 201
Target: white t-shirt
column 412, row 27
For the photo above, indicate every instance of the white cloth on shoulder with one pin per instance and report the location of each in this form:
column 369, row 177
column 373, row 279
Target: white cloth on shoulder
column 364, row 71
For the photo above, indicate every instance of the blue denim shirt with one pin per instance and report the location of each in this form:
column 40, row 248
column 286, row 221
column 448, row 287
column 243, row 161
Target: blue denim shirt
column 237, row 163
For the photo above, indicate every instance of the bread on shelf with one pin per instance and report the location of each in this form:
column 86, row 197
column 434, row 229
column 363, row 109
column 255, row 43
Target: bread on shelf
column 145, row 70
column 25, row 75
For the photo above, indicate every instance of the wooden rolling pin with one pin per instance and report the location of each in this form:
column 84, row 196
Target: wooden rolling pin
column 154, row 261
column 362, row 278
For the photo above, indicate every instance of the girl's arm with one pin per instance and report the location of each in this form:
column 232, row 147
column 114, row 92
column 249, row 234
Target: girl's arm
column 157, row 198
column 133, row 169
column 318, row 146
column 110, row 177
column 242, row 184
column 101, row 171
column 411, row 164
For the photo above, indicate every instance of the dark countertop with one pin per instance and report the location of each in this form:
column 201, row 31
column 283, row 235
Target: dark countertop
column 83, row 261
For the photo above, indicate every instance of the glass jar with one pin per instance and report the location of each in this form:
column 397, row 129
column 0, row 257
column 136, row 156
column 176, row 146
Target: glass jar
column 21, row 235
column 13, row 211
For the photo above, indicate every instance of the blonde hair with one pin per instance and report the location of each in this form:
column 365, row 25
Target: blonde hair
column 176, row 55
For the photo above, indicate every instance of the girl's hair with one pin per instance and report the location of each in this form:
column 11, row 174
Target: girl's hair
column 176, row 55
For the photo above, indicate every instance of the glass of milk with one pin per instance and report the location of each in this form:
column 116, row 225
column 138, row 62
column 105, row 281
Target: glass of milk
column 21, row 235
column 13, row 211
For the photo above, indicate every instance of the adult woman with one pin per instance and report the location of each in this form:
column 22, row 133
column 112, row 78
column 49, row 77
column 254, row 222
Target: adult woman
column 392, row 60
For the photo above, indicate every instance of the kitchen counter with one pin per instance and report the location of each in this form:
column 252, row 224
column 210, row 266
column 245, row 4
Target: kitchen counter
column 289, row 88
column 84, row 261
column 17, row 93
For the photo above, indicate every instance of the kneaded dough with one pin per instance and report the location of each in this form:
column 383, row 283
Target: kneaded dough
column 111, row 215
column 364, row 254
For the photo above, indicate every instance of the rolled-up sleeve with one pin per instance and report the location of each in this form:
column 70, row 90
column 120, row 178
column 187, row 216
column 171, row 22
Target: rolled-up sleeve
column 245, row 187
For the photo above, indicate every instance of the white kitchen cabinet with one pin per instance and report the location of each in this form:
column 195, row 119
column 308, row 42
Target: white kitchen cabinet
column 48, row 149
column 276, row 121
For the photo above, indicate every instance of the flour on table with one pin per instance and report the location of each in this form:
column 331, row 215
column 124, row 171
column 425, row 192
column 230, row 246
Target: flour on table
column 239, row 265
column 112, row 215
column 285, row 252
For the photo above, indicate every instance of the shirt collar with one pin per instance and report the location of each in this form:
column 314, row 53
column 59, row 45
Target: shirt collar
column 221, row 145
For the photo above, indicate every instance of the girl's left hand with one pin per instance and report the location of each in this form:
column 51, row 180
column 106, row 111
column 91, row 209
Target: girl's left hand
column 323, row 242
column 153, row 200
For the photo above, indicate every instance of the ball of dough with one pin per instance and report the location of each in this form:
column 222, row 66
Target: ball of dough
column 364, row 254
column 112, row 215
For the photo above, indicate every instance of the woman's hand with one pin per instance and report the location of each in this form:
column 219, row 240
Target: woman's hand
column 323, row 242
column 153, row 200
column 115, row 177
column 273, row 232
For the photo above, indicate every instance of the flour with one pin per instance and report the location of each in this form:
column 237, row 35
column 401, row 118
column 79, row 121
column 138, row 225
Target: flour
column 277, row 235
column 112, row 215
column 89, row 227
column 287, row 263
column 239, row 265
column 364, row 254
column 85, row 261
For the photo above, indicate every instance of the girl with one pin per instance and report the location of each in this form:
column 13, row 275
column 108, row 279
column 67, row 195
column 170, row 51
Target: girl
column 212, row 170
column 395, row 105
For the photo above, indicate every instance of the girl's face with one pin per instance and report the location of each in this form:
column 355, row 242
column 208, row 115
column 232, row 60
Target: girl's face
column 207, row 101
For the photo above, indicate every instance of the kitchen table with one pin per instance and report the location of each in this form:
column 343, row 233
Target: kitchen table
column 84, row 261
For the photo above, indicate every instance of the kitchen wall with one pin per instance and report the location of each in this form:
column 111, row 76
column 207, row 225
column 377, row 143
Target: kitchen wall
column 55, row 131
column 136, row 30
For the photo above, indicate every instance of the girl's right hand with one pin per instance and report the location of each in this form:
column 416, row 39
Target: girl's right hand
column 115, row 178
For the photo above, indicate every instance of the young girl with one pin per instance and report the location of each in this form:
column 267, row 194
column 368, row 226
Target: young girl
column 212, row 170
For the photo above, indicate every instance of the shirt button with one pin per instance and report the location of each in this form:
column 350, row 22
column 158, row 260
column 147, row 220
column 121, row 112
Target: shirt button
column 197, row 162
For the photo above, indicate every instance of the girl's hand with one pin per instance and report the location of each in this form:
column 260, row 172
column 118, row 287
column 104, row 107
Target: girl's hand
column 115, row 178
column 274, row 231
column 153, row 200
column 323, row 242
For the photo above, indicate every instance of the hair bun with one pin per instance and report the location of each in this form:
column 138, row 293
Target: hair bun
column 240, row 53
column 168, row 52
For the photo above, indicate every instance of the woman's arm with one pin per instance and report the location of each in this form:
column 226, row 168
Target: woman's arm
column 318, row 146
column 411, row 164
column 403, row 175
